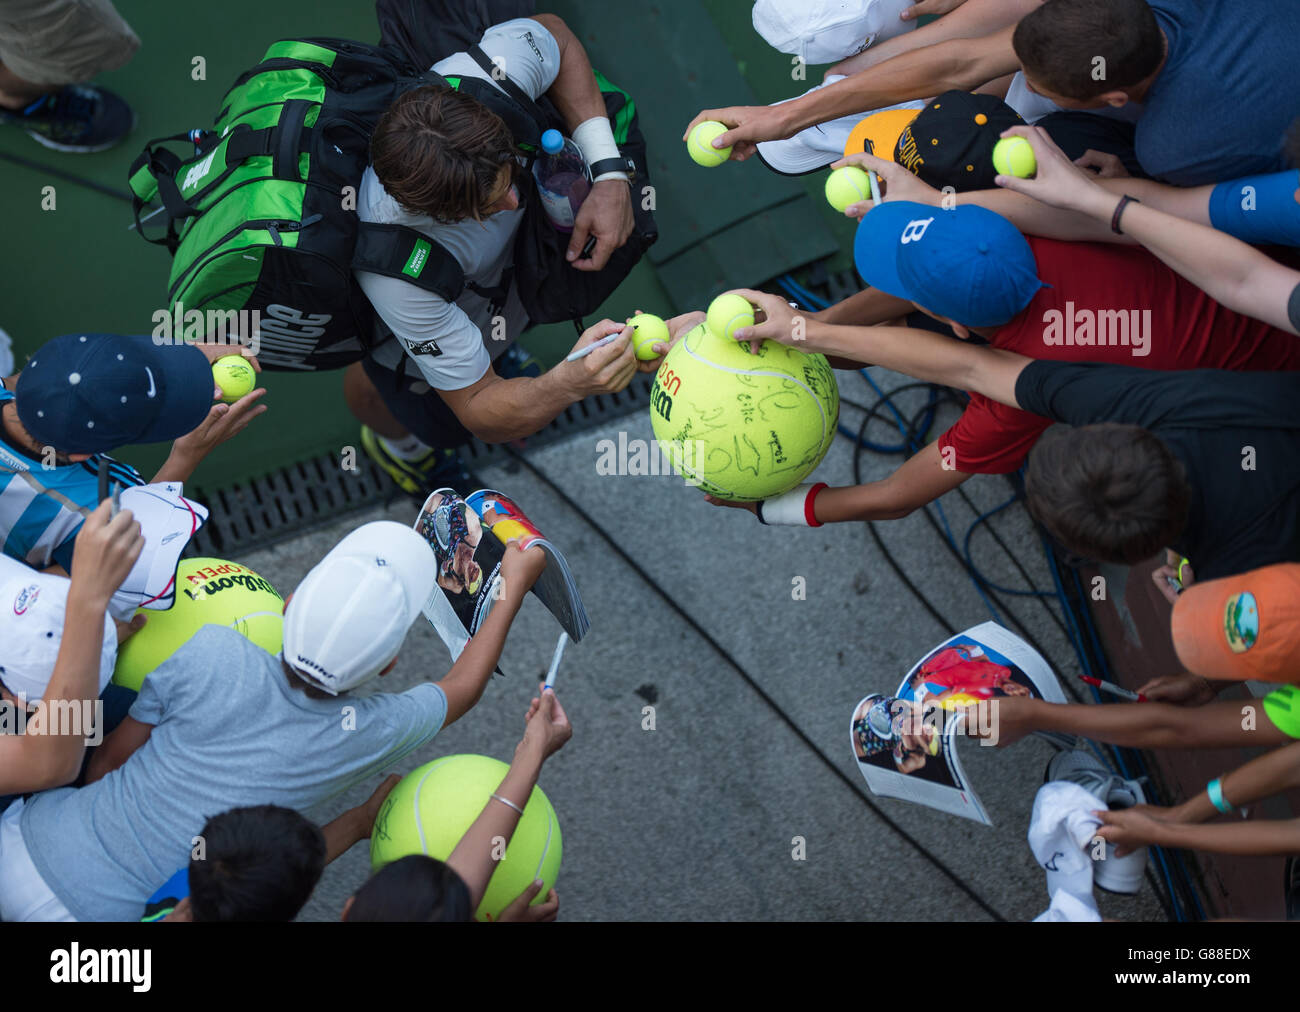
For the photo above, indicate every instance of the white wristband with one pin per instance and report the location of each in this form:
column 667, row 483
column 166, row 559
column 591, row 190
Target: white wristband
column 791, row 509
column 595, row 139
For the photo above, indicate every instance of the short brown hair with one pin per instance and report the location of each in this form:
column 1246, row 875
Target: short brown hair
column 1059, row 43
column 1111, row 493
column 440, row 153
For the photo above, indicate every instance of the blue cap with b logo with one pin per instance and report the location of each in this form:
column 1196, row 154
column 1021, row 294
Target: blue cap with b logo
column 964, row 263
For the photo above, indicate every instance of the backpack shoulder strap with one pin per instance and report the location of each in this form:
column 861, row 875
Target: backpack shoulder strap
column 520, row 97
column 396, row 251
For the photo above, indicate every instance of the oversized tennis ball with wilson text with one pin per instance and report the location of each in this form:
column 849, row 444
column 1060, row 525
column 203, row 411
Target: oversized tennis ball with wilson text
column 208, row 592
column 647, row 331
column 1014, row 156
column 235, row 376
column 847, row 185
column 432, row 808
column 728, row 313
column 743, row 426
column 700, row 144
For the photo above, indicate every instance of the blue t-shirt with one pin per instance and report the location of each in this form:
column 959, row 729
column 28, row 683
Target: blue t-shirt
column 41, row 510
column 1227, row 93
column 229, row 731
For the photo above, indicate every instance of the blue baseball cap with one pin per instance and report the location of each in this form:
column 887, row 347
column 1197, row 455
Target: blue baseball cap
column 965, row 263
column 90, row 393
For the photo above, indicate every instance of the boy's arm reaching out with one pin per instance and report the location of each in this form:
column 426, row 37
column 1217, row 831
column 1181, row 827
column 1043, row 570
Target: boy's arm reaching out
column 1133, row 725
column 922, row 354
column 464, row 683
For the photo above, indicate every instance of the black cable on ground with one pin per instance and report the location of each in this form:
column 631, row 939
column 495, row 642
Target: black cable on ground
column 875, row 412
column 749, row 680
column 70, row 177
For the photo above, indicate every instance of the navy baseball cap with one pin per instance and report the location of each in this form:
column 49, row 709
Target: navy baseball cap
column 90, row 393
column 964, row 263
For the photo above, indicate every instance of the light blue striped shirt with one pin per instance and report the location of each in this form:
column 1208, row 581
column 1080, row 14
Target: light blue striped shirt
column 42, row 509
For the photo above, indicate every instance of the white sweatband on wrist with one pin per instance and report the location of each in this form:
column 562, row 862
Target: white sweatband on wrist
column 792, row 509
column 595, row 139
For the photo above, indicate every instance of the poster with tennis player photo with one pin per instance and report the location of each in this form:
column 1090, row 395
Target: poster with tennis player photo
column 468, row 567
column 905, row 744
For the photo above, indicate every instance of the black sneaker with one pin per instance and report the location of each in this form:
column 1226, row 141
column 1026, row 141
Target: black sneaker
column 80, row 118
column 517, row 361
column 416, row 477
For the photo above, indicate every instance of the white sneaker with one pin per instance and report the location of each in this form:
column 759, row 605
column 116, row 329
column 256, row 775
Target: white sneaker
column 1114, row 874
column 6, row 355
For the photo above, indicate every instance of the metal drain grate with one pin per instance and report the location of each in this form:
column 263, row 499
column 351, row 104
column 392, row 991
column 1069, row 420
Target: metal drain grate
column 293, row 499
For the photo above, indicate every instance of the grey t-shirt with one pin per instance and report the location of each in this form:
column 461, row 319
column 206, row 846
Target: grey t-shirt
column 453, row 344
column 229, row 731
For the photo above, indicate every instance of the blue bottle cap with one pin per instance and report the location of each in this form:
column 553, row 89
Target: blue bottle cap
column 552, row 142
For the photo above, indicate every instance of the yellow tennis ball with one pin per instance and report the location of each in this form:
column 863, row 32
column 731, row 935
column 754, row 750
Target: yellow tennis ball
column 235, row 377
column 1014, row 156
column 700, row 144
column 847, row 185
column 743, row 426
column 728, row 313
column 208, row 592
column 647, row 331
column 433, row 806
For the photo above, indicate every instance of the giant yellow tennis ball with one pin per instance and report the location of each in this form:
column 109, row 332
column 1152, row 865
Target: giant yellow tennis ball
column 700, row 144
column 208, row 592
column 728, row 313
column 235, row 377
column 432, row 807
column 743, row 426
column 647, row 331
column 847, row 185
column 1014, row 156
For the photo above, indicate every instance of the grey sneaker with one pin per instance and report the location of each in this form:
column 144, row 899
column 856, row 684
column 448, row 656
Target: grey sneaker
column 1114, row 874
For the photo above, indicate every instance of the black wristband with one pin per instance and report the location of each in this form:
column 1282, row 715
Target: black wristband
column 619, row 164
column 1124, row 202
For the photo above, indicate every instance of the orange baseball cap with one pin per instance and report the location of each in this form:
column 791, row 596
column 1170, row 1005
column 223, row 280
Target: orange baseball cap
column 1242, row 627
column 878, row 133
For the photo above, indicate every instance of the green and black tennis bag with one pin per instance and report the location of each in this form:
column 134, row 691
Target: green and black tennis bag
column 260, row 212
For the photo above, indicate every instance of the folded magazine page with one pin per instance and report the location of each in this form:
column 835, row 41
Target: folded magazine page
column 556, row 589
column 468, row 568
column 906, row 744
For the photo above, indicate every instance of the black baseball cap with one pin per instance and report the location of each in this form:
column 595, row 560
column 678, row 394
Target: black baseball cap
column 91, row 393
column 950, row 142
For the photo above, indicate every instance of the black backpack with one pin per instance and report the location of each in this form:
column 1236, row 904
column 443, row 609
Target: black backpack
column 255, row 216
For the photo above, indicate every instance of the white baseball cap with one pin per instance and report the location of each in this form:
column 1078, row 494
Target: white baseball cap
column 814, row 148
column 32, row 613
column 168, row 522
column 827, row 31
column 349, row 616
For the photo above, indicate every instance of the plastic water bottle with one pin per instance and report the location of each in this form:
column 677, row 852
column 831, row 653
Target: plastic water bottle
column 561, row 174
